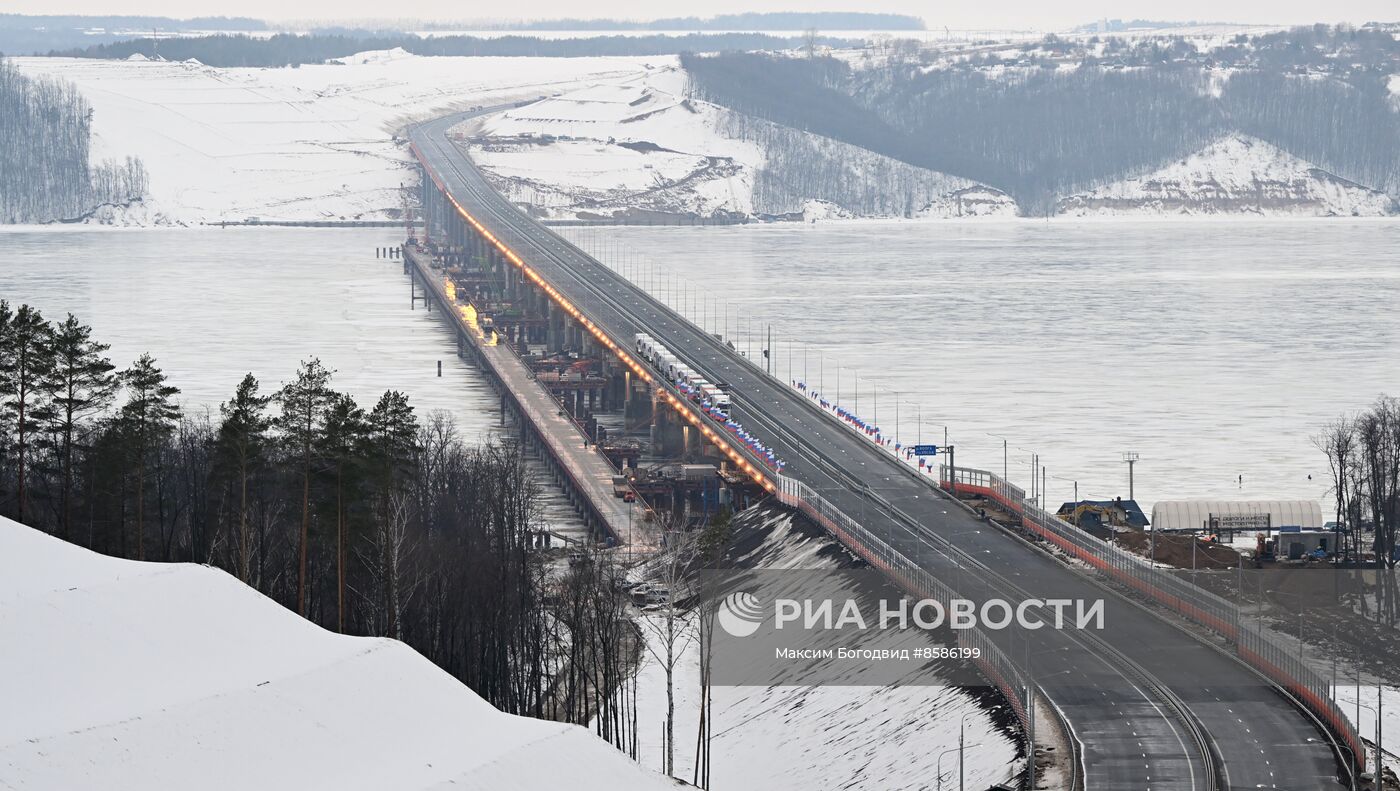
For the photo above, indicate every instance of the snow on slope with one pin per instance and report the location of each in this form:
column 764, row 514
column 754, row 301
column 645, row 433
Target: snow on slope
column 310, row 143
column 125, row 675
column 1364, row 716
column 803, row 738
column 639, row 148
column 1235, row 174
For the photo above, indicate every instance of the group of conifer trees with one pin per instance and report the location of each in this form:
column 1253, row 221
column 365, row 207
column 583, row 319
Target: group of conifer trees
column 365, row 521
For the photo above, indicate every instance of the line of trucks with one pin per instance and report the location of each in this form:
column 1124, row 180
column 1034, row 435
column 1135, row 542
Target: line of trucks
column 709, row 396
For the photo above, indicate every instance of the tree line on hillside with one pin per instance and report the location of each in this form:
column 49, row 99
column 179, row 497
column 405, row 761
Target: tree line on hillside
column 45, row 133
column 798, row 168
column 1040, row 134
column 366, row 521
column 752, row 20
column 285, row 49
column 1351, row 129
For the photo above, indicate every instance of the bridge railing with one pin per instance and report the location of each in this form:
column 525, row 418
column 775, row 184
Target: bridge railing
column 910, row 576
column 1254, row 643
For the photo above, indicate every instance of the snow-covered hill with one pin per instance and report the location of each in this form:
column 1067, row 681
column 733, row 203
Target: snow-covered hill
column 1233, row 175
column 123, row 675
column 310, row 143
column 640, row 149
column 619, row 138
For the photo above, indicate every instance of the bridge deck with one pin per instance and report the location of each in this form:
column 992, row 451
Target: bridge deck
column 590, row 475
column 1113, row 700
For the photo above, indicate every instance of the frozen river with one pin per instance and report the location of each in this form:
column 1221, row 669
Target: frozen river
column 1214, row 349
column 213, row 304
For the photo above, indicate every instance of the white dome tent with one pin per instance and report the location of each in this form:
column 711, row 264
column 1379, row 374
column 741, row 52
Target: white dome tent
column 1182, row 515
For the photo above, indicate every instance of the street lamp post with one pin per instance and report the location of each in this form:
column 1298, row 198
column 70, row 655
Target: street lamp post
column 1130, row 458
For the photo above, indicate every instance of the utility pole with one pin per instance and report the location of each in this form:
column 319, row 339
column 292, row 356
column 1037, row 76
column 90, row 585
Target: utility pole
column 1130, row 458
column 1035, row 479
column 1030, row 736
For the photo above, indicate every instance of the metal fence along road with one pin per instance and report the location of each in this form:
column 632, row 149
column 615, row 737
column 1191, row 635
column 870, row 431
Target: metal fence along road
column 1255, row 645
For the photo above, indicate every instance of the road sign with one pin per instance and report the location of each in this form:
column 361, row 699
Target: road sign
column 925, row 450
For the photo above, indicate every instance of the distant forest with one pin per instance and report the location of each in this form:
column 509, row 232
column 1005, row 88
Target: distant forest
column 1038, row 131
column 21, row 34
column 286, row 49
column 773, row 20
column 45, row 175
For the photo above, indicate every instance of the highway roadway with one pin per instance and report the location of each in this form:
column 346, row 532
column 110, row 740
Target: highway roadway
column 1151, row 706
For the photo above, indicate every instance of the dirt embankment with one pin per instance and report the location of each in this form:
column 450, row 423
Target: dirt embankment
column 1175, row 550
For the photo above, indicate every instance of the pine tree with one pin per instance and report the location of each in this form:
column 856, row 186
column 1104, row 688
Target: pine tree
column 242, row 440
column 80, row 383
column 304, row 403
column 26, row 356
column 341, row 446
column 147, row 418
column 393, row 433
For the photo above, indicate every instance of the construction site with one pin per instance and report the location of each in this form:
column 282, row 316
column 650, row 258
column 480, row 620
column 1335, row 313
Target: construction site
column 605, row 423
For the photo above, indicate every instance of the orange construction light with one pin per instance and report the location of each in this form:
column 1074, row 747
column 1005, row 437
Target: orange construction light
column 592, row 328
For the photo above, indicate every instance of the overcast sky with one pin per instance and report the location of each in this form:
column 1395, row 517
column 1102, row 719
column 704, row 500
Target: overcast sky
column 1014, row 14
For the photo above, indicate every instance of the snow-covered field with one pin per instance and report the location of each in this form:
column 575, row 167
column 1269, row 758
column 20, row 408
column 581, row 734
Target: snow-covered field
column 641, row 146
column 310, row 143
column 636, row 143
column 1234, row 175
column 123, row 675
column 802, row 738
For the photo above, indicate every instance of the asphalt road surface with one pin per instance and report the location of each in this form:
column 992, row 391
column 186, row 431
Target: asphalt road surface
column 1152, row 707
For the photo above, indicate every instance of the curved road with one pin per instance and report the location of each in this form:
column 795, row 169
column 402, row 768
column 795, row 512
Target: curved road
column 1152, row 707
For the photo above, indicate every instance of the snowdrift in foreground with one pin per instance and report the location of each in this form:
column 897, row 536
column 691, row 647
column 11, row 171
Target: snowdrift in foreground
column 303, row 144
column 125, row 675
column 1233, row 175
